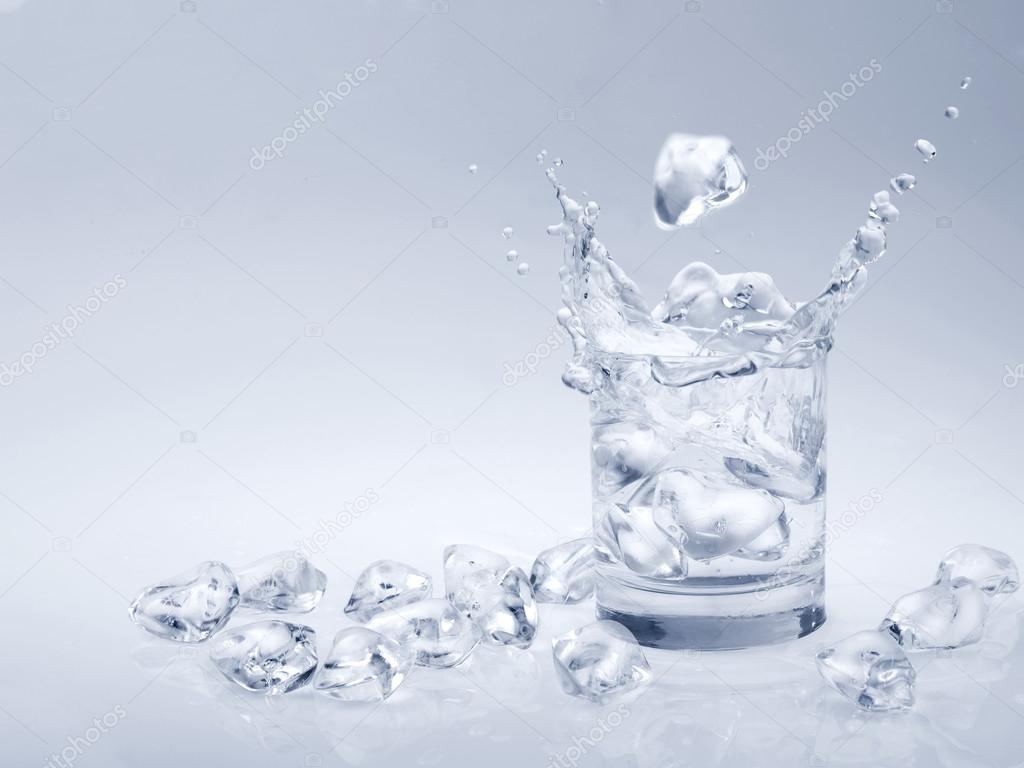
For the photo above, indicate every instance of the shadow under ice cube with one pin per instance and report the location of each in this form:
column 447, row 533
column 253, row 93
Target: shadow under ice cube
column 189, row 607
column 871, row 670
column 599, row 660
column 268, row 657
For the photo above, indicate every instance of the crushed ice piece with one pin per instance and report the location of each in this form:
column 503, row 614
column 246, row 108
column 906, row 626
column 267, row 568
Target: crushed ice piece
column 965, row 83
column 882, row 209
column 871, row 670
column 523, row 268
column 599, row 660
column 946, row 615
column 564, row 573
column 624, row 452
column 693, row 175
column 643, row 538
column 902, row 183
column 384, row 585
column 269, row 657
column 512, row 255
column 870, row 242
column 715, row 520
column 363, row 665
column 285, row 582
column 926, row 148
column 189, row 607
column 952, row 113
column 507, row 233
column 433, row 629
column 473, row 168
column 994, row 572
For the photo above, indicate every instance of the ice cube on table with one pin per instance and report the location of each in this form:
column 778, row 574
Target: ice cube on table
column 506, row 612
column 871, row 670
column 993, row 572
column 363, row 665
column 624, row 452
column 716, row 520
column 434, row 630
column 599, row 660
column 944, row 615
column 285, row 582
column 645, row 539
column 189, row 607
column 564, row 573
column 386, row 584
column 694, row 174
column 467, row 569
column 269, row 657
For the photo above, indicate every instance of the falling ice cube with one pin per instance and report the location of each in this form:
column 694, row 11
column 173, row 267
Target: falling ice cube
column 871, row 670
column 693, row 175
column 363, row 665
column 946, row 615
column 285, row 582
column 269, row 657
column 646, row 539
column 565, row 573
column 433, row 629
column 599, row 660
column 716, row 520
column 505, row 611
column 467, row 570
column 625, row 452
column 994, row 572
column 387, row 584
column 190, row 607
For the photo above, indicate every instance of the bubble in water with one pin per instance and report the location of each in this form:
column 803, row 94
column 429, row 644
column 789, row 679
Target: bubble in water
column 693, row 175
column 523, row 268
column 926, row 148
column 507, row 233
column 904, row 182
column 512, row 255
column 952, row 113
column 472, row 167
column 965, row 83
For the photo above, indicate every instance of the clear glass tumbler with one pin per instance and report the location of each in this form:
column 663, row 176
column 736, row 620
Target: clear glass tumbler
column 709, row 500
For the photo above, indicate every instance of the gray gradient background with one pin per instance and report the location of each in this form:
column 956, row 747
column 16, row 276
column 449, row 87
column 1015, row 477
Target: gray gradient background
column 293, row 338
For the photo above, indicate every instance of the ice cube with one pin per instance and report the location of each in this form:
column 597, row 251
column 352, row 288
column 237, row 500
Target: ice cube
column 433, row 629
column 770, row 545
column 871, row 670
column 715, row 520
column 994, row 572
column 468, row 569
column 505, row 612
column 269, row 657
column 564, row 573
column 804, row 482
column 945, row 615
column 189, row 607
column 599, row 660
column 386, row 584
column 363, row 665
column 693, row 175
column 624, row 452
column 644, row 538
column 284, row 582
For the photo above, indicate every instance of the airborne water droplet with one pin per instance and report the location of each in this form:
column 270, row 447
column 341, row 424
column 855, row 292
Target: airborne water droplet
column 507, row 233
column 523, row 268
column 965, row 83
column 542, row 156
column 559, row 162
column 952, row 113
column 926, row 148
column 512, row 255
column 904, row 182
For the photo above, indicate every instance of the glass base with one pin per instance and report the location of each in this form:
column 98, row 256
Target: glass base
column 714, row 617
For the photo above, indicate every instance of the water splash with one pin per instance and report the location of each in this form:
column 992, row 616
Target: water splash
column 507, row 233
column 965, row 83
column 952, row 113
column 926, row 148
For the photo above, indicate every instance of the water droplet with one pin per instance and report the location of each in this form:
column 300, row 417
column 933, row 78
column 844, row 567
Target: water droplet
column 512, row 255
column 926, row 148
column 904, row 182
column 718, row 250
column 542, row 156
column 523, row 268
column 952, row 113
column 965, row 83
column 472, row 168
column 507, row 233
column 559, row 162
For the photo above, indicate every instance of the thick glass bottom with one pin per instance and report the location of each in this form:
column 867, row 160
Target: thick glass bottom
column 719, row 617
